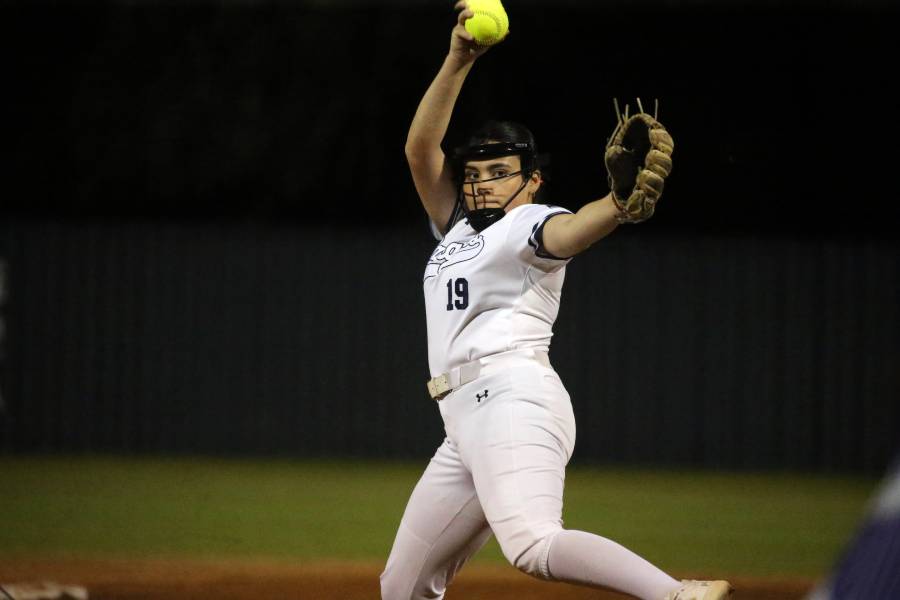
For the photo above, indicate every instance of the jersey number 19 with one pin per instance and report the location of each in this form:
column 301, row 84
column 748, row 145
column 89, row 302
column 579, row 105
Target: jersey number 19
column 459, row 287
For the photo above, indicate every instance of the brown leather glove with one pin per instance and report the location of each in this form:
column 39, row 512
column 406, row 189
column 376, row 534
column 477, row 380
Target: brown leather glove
column 638, row 159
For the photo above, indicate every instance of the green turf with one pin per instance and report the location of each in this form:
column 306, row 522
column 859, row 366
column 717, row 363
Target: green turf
column 686, row 522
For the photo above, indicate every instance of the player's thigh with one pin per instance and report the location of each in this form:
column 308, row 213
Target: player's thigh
column 518, row 458
column 443, row 525
column 444, row 491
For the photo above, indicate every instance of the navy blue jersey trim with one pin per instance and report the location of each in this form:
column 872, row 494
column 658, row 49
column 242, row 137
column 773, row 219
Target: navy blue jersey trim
column 536, row 240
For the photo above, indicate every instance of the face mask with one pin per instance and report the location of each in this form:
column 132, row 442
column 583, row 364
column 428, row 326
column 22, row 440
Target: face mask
column 482, row 218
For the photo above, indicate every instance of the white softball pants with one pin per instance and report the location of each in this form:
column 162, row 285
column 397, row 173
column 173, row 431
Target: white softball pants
column 501, row 470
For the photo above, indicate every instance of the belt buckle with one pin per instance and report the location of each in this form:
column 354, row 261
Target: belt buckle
column 439, row 386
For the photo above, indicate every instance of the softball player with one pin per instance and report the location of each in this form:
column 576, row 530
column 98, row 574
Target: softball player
column 492, row 290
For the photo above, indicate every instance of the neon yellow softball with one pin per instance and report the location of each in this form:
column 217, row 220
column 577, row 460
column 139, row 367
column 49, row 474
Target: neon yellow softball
column 490, row 23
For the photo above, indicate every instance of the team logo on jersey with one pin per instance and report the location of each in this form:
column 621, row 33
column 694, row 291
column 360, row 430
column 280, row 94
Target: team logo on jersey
column 447, row 255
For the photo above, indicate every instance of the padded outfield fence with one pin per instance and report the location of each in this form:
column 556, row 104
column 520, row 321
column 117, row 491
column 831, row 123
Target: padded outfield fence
column 250, row 339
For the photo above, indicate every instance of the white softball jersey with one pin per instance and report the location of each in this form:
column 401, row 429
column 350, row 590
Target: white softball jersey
column 492, row 291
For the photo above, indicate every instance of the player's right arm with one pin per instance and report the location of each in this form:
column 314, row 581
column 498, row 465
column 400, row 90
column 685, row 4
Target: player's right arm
column 429, row 166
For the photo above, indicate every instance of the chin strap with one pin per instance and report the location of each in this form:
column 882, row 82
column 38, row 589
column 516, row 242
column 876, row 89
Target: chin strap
column 482, row 218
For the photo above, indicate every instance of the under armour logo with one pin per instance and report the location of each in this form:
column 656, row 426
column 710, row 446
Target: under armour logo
column 480, row 397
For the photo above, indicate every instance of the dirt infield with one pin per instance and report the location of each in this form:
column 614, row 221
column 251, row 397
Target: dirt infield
column 245, row 580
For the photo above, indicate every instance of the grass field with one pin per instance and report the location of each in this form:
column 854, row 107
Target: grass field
column 752, row 524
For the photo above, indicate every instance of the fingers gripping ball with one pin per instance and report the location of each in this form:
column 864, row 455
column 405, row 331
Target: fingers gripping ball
column 490, row 23
column 638, row 159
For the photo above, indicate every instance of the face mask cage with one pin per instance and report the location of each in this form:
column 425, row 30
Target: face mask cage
column 470, row 189
column 482, row 218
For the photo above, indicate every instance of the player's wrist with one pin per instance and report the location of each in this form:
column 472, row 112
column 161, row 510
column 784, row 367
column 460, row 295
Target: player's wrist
column 457, row 66
column 461, row 58
column 616, row 207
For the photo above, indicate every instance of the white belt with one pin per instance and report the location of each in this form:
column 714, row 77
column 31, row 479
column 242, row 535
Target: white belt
column 443, row 384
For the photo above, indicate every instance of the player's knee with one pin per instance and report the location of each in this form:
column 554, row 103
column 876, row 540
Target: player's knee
column 388, row 586
column 532, row 556
column 393, row 588
column 402, row 586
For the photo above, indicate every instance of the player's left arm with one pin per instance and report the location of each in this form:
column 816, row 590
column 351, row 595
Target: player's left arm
column 638, row 158
column 566, row 235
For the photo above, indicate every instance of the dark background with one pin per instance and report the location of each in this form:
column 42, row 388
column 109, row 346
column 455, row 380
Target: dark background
column 212, row 243
column 298, row 111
